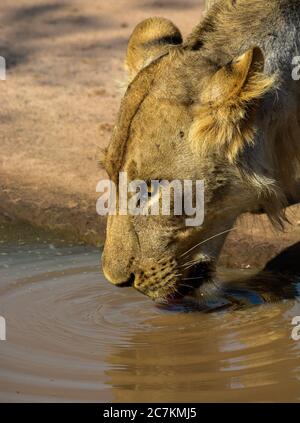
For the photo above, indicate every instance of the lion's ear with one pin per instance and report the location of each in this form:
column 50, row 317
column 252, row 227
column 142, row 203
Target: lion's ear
column 224, row 117
column 150, row 39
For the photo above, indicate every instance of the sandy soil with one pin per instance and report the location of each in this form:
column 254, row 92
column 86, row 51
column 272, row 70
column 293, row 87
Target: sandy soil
column 65, row 64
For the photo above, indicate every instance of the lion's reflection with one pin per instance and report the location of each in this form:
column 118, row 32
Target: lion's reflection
column 238, row 354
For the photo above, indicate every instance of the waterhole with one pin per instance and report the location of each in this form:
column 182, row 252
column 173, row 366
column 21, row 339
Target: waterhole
column 70, row 336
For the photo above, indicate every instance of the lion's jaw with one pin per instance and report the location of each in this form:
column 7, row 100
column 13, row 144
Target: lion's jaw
column 160, row 257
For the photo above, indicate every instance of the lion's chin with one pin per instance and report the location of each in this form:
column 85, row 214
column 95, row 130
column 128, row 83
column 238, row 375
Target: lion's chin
column 187, row 287
column 169, row 299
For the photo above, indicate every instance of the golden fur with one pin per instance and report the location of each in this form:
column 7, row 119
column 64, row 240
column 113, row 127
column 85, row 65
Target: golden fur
column 224, row 117
column 150, row 39
column 221, row 107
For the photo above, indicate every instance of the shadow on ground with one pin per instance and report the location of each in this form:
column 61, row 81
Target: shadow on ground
column 28, row 25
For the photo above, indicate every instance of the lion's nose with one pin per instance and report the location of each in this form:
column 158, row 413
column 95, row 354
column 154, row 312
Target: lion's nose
column 129, row 282
column 117, row 275
column 118, row 280
column 116, row 271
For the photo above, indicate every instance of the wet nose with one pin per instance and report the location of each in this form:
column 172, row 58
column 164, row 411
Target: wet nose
column 129, row 282
column 116, row 272
column 118, row 279
column 120, row 251
column 116, row 275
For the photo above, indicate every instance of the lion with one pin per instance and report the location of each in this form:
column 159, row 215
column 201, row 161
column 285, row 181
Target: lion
column 220, row 106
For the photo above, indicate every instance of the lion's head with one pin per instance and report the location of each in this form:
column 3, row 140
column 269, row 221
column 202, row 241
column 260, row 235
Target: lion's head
column 184, row 116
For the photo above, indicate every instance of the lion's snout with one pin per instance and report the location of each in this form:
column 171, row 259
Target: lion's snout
column 160, row 279
column 157, row 278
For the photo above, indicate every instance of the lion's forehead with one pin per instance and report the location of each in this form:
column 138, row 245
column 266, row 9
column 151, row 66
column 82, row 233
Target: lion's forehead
column 157, row 107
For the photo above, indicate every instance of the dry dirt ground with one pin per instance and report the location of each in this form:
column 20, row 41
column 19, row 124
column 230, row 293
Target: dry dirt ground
column 58, row 105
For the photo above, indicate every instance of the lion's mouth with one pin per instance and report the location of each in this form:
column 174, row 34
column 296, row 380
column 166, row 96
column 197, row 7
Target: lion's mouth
column 198, row 275
column 178, row 288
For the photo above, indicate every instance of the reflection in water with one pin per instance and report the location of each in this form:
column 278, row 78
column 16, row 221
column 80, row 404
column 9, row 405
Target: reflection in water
column 71, row 336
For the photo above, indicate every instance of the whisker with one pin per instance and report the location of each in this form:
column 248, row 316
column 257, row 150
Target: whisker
column 192, row 279
column 189, row 262
column 191, row 265
column 176, row 290
column 187, row 286
column 208, row 239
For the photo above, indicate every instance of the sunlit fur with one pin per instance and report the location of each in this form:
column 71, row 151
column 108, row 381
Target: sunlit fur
column 219, row 106
column 150, row 39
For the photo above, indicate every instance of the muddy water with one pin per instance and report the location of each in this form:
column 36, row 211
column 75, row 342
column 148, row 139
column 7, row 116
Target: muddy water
column 73, row 337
